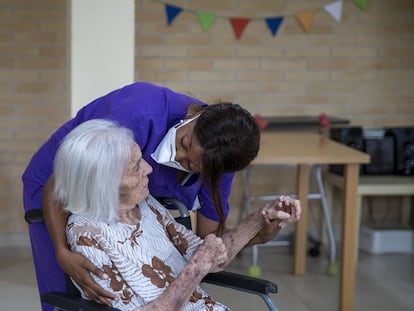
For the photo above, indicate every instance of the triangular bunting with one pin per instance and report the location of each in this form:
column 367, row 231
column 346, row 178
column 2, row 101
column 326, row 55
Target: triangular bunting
column 335, row 9
column 206, row 20
column 172, row 12
column 274, row 23
column 305, row 19
column 361, row 3
column 239, row 24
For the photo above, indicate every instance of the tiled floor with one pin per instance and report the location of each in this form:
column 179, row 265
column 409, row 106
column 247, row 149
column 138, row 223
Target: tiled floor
column 383, row 282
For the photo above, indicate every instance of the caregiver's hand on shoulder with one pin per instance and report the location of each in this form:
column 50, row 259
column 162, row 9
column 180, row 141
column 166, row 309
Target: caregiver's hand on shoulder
column 79, row 267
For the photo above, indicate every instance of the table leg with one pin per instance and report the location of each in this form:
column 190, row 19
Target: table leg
column 405, row 210
column 302, row 190
column 349, row 238
column 358, row 225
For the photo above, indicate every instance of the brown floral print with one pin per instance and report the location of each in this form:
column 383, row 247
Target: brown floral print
column 208, row 301
column 159, row 273
column 117, row 283
column 85, row 241
column 139, row 269
column 156, row 212
column 177, row 239
column 173, row 235
column 134, row 236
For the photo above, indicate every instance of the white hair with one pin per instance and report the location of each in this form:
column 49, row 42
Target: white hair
column 89, row 164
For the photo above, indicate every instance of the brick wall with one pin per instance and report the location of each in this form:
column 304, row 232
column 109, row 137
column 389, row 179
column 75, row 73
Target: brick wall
column 361, row 68
column 33, row 92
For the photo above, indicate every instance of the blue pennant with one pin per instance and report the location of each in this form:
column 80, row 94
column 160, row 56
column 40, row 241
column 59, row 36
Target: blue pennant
column 171, row 11
column 273, row 23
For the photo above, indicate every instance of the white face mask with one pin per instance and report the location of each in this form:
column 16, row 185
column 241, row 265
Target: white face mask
column 166, row 150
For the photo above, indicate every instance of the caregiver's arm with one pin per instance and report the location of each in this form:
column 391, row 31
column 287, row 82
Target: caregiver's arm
column 74, row 264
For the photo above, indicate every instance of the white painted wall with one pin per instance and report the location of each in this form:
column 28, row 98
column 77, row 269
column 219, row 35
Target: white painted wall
column 101, row 48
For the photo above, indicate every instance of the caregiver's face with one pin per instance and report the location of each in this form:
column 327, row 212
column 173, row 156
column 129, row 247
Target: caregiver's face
column 189, row 151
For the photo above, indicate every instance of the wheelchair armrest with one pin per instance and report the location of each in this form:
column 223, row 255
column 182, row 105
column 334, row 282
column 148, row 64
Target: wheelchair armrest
column 73, row 303
column 223, row 278
column 34, row 215
column 241, row 282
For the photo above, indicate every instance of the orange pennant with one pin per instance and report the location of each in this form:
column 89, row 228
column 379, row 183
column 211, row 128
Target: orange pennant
column 305, row 19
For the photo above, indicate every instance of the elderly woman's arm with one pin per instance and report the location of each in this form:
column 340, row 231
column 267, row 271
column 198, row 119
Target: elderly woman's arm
column 208, row 255
column 275, row 216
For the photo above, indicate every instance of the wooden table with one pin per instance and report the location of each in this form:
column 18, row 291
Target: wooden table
column 305, row 149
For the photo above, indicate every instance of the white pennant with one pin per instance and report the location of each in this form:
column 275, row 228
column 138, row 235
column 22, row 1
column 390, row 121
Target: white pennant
column 335, row 9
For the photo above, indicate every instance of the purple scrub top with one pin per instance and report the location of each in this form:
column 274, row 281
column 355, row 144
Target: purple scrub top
column 149, row 111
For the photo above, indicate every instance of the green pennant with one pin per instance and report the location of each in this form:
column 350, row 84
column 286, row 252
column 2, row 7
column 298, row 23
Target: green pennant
column 206, row 20
column 361, row 3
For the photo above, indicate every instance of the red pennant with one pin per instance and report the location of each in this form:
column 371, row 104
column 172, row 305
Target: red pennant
column 239, row 24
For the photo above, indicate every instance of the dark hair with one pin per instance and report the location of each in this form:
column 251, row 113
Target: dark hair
column 230, row 138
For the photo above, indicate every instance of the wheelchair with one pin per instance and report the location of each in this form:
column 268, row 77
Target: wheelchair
column 71, row 300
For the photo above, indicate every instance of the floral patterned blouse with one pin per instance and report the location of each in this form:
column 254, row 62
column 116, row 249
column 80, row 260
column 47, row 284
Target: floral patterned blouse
column 141, row 260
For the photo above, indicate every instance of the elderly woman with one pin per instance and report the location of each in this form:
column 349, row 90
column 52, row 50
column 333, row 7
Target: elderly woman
column 151, row 262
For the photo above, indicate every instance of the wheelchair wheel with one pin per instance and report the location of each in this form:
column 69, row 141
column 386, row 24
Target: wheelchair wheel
column 314, row 251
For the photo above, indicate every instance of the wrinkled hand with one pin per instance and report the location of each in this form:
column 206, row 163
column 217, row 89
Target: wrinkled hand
column 278, row 214
column 213, row 253
column 284, row 209
column 79, row 267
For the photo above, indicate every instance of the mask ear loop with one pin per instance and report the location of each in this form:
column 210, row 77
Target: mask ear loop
column 186, row 121
column 181, row 124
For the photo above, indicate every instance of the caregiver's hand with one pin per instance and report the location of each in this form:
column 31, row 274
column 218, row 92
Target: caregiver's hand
column 79, row 268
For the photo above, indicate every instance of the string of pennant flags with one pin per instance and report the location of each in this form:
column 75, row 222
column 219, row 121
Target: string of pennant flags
column 239, row 24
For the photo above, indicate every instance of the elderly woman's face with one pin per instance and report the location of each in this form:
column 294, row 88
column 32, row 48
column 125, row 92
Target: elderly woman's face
column 134, row 181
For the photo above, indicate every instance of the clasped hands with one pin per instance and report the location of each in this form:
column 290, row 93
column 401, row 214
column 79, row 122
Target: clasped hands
column 277, row 215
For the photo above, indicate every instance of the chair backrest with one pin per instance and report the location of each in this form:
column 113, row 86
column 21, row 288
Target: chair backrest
column 184, row 217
